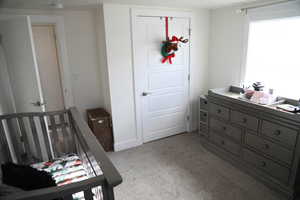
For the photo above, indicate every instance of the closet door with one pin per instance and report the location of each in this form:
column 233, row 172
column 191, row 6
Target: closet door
column 161, row 88
column 22, row 67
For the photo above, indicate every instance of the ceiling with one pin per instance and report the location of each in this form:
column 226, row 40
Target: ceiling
column 45, row 4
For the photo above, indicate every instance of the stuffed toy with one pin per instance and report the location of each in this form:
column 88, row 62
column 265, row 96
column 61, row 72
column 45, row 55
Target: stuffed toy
column 169, row 48
column 26, row 177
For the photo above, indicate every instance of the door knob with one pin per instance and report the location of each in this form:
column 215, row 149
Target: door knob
column 38, row 103
column 145, row 93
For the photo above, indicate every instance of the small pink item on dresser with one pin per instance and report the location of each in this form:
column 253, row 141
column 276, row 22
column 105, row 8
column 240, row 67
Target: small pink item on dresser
column 249, row 93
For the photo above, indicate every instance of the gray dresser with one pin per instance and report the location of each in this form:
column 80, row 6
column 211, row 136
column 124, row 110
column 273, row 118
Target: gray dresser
column 261, row 140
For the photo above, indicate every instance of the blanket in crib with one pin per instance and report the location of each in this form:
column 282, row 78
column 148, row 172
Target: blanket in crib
column 65, row 170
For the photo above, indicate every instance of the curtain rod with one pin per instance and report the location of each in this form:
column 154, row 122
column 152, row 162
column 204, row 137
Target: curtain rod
column 263, row 5
column 161, row 16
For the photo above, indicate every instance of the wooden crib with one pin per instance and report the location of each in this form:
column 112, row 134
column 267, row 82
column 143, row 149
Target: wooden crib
column 28, row 138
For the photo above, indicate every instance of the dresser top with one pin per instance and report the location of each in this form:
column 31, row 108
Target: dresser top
column 233, row 94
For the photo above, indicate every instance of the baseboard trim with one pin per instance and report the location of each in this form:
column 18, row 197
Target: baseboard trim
column 134, row 143
column 127, row 145
column 161, row 136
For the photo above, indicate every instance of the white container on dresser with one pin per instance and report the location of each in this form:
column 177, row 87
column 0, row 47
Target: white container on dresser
column 260, row 140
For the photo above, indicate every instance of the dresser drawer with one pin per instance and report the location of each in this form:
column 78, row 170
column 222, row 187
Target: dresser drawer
column 231, row 131
column 203, row 129
column 219, row 111
column 280, row 133
column 203, row 103
column 224, row 143
column 242, row 119
column 203, row 116
column 277, row 171
column 269, row 148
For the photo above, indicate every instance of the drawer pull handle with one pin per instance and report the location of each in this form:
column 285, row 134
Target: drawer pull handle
column 205, row 102
column 263, row 163
column 245, row 120
column 277, row 132
column 204, row 114
column 266, row 146
column 100, row 121
column 219, row 111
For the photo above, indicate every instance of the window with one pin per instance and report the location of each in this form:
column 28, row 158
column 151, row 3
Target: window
column 273, row 55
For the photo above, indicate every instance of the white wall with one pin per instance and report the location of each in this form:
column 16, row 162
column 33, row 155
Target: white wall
column 103, row 59
column 82, row 46
column 119, row 64
column 82, row 49
column 226, row 47
column 199, row 60
column 120, row 69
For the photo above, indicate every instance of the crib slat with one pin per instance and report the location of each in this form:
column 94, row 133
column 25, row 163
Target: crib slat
column 64, row 132
column 45, row 135
column 72, row 133
column 4, row 143
column 15, row 139
column 24, row 135
column 54, row 134
column 88, row 194
column 35, row 137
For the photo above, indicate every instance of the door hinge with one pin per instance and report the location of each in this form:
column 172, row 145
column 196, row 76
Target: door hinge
column 188, row 118
column 190, row 31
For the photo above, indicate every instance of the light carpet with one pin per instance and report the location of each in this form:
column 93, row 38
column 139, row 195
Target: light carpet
column 179, row 168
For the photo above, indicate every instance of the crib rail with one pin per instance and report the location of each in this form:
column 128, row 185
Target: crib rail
column 62, row 192
column 19, row 131
column 32, row 137
column 112, row 175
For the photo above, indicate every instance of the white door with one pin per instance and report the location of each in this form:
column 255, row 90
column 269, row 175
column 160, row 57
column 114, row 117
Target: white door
column 47, row 58
column 23, row 72
column 18, row 47
column 162, row 90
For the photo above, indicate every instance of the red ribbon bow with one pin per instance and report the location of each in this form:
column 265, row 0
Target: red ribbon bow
column 169, row 57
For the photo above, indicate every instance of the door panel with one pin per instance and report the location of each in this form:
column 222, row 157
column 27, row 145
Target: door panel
column 158, row 80
column 164, row 105
column 162, row 102
column 47, row 58
column 170, row 121
column 21, row 61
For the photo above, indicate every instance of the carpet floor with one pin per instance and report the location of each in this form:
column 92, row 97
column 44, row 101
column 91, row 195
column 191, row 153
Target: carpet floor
column 179, row 168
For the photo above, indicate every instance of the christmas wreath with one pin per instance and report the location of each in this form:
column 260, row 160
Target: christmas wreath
column 170, row 46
